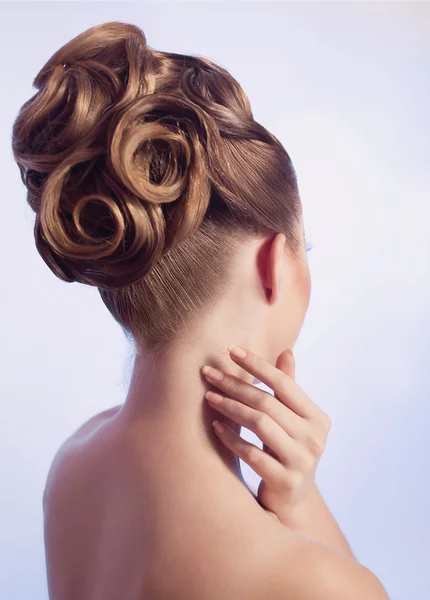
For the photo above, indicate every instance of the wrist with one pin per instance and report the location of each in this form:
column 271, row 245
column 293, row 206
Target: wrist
column 297, row 516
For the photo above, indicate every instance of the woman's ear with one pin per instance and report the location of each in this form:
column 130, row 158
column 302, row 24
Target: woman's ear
column 277, row 265
column 270, row 260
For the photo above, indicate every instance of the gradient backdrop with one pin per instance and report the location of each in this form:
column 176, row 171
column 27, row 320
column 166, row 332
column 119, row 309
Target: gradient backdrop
column 345, row 86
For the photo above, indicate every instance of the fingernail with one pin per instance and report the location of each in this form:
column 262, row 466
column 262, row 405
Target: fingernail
column 219, row 427
column 213, row 397
column 212, row 373
column 237, row 351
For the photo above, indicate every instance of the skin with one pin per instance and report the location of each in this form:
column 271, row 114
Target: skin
column 152, row 475
column 264, row 310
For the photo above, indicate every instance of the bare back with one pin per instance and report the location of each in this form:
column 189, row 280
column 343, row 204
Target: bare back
column 112, row 531
column 115, row 528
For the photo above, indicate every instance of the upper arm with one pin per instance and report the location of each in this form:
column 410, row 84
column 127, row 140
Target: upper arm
column 340, row 577
column 308, row 570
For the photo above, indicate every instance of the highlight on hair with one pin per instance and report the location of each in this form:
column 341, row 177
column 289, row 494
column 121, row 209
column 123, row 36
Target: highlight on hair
column 146, row 172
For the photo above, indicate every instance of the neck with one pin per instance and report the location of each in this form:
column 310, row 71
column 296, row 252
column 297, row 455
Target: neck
column 166, row 400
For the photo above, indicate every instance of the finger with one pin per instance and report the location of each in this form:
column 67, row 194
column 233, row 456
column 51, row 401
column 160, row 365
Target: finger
column 285, row 449
column 286, row 363
column 267, row 467
column 285, row 388
column 256, row 398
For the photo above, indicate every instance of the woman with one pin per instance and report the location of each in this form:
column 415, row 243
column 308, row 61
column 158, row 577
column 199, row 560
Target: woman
column 151, row 180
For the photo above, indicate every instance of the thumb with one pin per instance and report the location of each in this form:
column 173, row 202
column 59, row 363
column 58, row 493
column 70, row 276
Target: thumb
column 286, row 363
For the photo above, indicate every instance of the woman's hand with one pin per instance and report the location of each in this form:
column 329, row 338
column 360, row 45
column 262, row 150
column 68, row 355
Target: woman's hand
column 291, row 426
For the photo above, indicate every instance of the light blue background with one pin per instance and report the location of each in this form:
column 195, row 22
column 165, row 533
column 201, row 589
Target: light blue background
column 345, row 86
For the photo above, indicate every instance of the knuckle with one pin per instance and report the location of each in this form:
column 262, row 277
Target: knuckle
column 251, row 454
column 260, row 421
column 316, row 444
column 327, row 423
column 233, row 387
column 324, row 422
column 263, row 402
column 308, row 462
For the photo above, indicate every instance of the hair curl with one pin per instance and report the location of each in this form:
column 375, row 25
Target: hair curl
column 146, row 170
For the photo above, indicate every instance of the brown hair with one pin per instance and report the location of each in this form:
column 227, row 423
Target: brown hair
column 146, row 171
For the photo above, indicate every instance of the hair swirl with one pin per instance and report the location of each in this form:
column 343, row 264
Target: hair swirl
column 128, row 152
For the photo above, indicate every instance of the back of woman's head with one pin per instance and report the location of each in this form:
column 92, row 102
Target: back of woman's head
column 147, row 172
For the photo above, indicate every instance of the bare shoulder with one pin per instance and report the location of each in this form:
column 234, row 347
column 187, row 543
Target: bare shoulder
column 91, row 424
column 71, row 453
column 304, row 569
